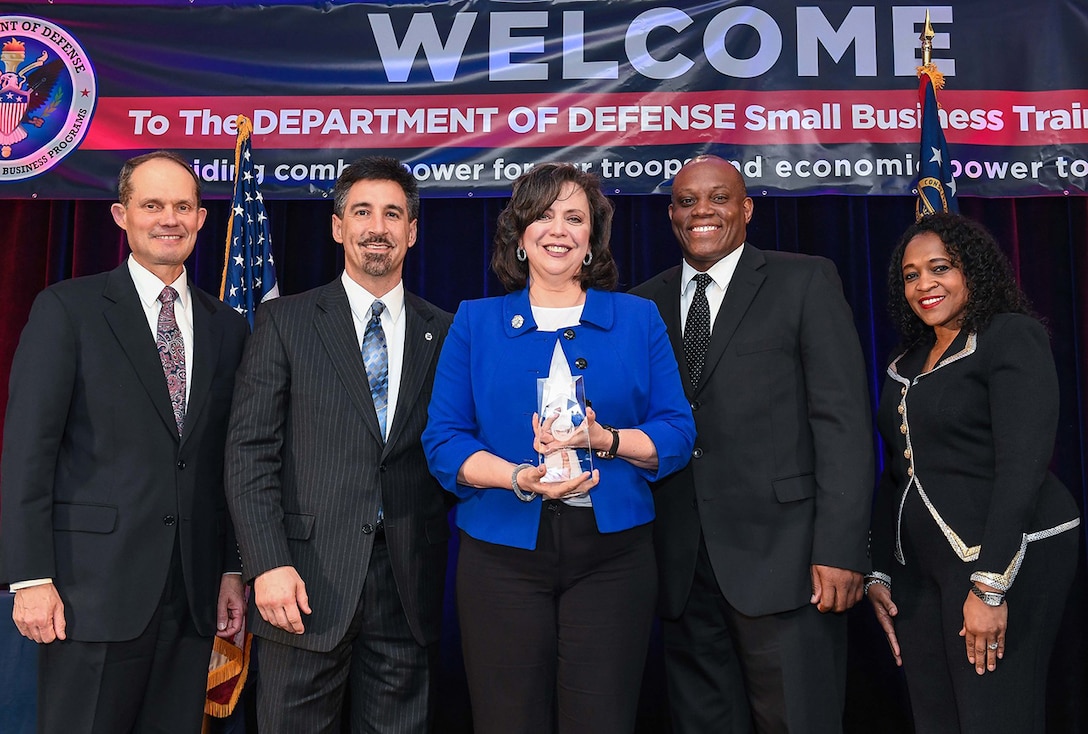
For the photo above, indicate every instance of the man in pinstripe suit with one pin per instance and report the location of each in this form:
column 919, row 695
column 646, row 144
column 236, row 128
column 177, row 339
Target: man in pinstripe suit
column 342, row 530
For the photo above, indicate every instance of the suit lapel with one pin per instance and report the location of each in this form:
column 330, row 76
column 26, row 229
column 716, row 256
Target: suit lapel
column 125, row 316
column 206, row 339
column 420, row 343
column 336, row 330
column 667, row 299
column 742, row 290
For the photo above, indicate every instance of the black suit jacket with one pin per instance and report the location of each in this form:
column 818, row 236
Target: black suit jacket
column 981, row 432
column 96, row 482
column 307, row 468
column 782, row 472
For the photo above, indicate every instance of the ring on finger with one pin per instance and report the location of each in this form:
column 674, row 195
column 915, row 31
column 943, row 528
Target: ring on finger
column 992, row 646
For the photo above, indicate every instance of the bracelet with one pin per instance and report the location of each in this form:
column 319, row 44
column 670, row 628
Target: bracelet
column 522, row 494
column 611, row 452
column 989, row 598
column 869, row 581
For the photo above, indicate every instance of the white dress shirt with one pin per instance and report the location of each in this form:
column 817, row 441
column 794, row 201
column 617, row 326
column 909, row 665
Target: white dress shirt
column 720, row 273
column 148, row 288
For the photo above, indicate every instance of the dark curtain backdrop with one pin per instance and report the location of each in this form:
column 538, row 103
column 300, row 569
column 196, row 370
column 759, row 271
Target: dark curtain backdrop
column 42, row 242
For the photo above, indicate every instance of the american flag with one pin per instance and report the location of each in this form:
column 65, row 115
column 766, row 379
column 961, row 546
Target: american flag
column 249, row 278
column 249, row 270
column 936, row 186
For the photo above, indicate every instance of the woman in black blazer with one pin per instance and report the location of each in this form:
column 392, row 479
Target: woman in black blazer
column 970, row 523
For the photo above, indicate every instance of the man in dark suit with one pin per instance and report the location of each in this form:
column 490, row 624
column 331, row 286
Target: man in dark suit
column 114, row 528
column 761, row 540
column 341, row 527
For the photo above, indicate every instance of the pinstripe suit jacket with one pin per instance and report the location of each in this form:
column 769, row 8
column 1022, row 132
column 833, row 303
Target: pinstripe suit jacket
column 307, row 469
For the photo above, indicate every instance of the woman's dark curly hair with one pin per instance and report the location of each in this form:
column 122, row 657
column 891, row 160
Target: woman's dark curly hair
column 534, row 191
column 991, row 286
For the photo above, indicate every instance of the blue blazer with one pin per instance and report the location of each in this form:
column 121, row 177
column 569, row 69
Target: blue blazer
column 485, row 395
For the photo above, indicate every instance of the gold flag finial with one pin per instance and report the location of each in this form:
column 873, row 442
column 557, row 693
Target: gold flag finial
column 927, row 41
column 928, row 67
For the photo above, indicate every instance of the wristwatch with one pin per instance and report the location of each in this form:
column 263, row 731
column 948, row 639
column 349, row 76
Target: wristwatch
column 989, row 598
column 611, row 452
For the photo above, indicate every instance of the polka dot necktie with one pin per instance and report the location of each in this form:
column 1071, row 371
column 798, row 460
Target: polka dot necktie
column 172, row 354
column 697, row 329
column 376, row 361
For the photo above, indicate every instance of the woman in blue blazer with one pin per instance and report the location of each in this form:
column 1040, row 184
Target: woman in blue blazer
column 556, row 580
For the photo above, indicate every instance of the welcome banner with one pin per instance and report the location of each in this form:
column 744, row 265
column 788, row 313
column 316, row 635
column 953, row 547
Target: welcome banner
column 811, row 99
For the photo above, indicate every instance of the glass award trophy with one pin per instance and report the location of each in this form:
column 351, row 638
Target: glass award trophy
column 561, row 403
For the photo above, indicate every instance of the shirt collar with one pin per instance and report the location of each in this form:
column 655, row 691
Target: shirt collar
column 720, row 272
column 148, row 285
column 360, row 299
column 518, row 312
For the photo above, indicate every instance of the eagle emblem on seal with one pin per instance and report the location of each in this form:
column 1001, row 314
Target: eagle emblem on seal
column 29, row 92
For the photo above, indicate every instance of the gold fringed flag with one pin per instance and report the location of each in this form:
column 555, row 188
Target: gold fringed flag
column 936, row 185
column 227, row 672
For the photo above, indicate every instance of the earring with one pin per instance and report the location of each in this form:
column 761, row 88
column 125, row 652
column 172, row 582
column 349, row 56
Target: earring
column 521, row 254
column 588, row 258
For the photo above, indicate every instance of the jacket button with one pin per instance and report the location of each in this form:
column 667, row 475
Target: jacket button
column 581, row 363
column 568, row 334
column 903, row 428
column 695, row 405
column 697, row 453
column 382, row 468
column 168, row 520
column 181, row 463
column 906, row 454
column 368, row 529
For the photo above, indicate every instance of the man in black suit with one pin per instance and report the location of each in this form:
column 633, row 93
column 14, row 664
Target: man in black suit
column 761, row 540
column 342, row 528
column 114, row 528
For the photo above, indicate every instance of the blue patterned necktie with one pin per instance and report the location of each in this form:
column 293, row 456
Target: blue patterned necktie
column 697, row 329
column 172, row 354
column 376, row 361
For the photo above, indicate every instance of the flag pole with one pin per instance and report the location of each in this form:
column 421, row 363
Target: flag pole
column 936, row 186
column 245, row 129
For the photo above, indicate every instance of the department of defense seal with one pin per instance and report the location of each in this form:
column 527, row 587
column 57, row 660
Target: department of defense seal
column 47, row 95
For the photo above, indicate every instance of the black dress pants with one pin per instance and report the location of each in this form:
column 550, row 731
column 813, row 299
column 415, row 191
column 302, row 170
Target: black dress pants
column 555, row 638
column 730, row 673
column 385, row 674
column 947, row 695
column 154, row 684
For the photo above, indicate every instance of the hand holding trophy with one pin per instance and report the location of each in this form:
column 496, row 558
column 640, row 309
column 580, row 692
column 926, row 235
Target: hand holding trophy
column 562, row 431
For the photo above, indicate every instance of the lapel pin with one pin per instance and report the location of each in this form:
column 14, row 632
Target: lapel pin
column 517, row 321
column 428, row 336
